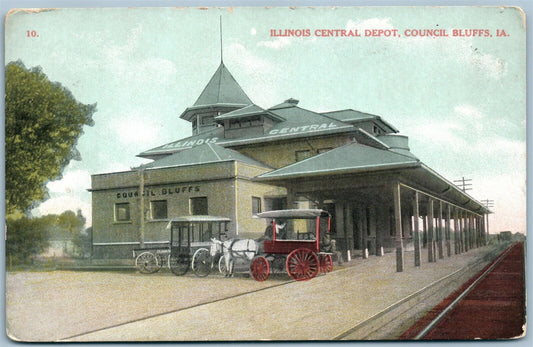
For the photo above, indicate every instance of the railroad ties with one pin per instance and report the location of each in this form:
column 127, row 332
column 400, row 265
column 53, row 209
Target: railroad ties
column 491, row 305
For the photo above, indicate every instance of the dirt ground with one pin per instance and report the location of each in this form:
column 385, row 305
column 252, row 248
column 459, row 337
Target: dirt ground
column 120, row 306
column 47, row 306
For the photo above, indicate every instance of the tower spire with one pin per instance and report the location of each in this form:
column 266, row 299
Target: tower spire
column 221, row 52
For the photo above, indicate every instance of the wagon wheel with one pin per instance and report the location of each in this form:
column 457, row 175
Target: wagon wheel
column 147, row 263
column 302, row 264
column 260, row 269
column 178, row 265
column 222, row 266
column 201, row 262
column 326, row 263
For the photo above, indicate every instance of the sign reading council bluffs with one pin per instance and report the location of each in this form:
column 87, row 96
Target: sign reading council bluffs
column 159, row 191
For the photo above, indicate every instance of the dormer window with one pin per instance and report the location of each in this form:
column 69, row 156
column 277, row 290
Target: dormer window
column 245, row 122
column 208, row 120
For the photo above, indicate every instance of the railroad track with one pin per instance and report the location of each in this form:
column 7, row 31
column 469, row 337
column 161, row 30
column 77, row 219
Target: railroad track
column 391, row 322
column 491, row 305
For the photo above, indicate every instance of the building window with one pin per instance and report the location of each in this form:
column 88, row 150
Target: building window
column 301, row 155
column 122, row 212
column 194, row 124
column 208, row 120
column 256, row 120
column 256, row 205
column 198, row 206
column 234, row 123
column 275, row 204
column 245, row 122
column 158, row 209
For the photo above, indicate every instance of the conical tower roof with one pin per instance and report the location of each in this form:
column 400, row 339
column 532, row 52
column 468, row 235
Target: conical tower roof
column 222, row 89
column 222, row 93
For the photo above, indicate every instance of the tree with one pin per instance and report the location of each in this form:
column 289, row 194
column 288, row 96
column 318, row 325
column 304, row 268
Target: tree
column 43, row 124
column 27, row 237
column 30, row 237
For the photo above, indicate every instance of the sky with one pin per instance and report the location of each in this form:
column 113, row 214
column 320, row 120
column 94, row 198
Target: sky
column 460, row 99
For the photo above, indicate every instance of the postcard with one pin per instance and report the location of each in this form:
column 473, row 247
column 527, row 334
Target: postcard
column 265, row 173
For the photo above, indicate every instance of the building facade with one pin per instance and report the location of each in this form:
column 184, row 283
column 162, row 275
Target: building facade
column 242, row 159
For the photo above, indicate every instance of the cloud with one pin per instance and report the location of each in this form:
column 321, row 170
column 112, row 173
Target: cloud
column 72, row 181
column 492, row 67
column 460, row 50
column 468, row 111
column 371, row 23
column 263, row 77
column 509, row 194
column 135, row 128
column 278, row 43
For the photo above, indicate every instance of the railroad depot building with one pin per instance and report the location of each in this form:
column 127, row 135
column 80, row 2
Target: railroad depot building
column 242, row 159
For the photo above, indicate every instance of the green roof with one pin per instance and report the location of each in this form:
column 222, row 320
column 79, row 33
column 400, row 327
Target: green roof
column 353, row 116
column 298, row 122
column 351, row 158
column 296, row 117
column 202, row 154
column 222, row 89
column 248, row 111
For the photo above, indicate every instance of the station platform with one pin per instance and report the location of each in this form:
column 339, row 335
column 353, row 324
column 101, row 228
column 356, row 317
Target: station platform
column 328, row 307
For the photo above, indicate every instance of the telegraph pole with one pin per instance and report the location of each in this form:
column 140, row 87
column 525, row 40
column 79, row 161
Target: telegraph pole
column 464, row 184
column 488, row 203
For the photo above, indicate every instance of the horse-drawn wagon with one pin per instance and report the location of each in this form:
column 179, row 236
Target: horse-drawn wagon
column 297, row 240
column 188, row 247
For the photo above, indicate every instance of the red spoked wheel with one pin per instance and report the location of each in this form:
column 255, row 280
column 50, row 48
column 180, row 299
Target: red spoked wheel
column 260, row 269
column 326, row 263
column 302, row 264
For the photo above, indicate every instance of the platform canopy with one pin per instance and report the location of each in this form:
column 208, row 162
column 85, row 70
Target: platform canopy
column 294, row 213
column 358, row 166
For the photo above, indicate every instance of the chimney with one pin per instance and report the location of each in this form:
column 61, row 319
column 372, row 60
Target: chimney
column 292, row 101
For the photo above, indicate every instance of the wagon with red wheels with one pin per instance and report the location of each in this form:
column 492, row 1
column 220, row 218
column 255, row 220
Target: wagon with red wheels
column 296, row 241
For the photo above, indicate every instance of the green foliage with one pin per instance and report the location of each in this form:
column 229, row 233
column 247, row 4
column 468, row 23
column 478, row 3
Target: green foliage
column 30, row 237
column 26, row 237
column 43, row 124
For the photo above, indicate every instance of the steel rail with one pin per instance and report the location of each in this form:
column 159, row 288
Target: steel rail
column 414, row 295
column 454, row 303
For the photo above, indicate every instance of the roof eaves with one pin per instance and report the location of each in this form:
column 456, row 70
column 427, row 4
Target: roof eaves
column 453, row 186
column 339, row 171
column 277, row 137
column 387, row 124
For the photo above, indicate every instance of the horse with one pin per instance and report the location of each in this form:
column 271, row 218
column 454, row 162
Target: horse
column 242, row 250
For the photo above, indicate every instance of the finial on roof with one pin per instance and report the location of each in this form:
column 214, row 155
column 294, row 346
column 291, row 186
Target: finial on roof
column 221, row 53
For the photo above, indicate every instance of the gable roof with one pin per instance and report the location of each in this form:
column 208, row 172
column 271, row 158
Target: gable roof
column 202, row 154
column 296, row 116
column 353, row 116
column 292, row 122
column 351, row 158
column 248, row 111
